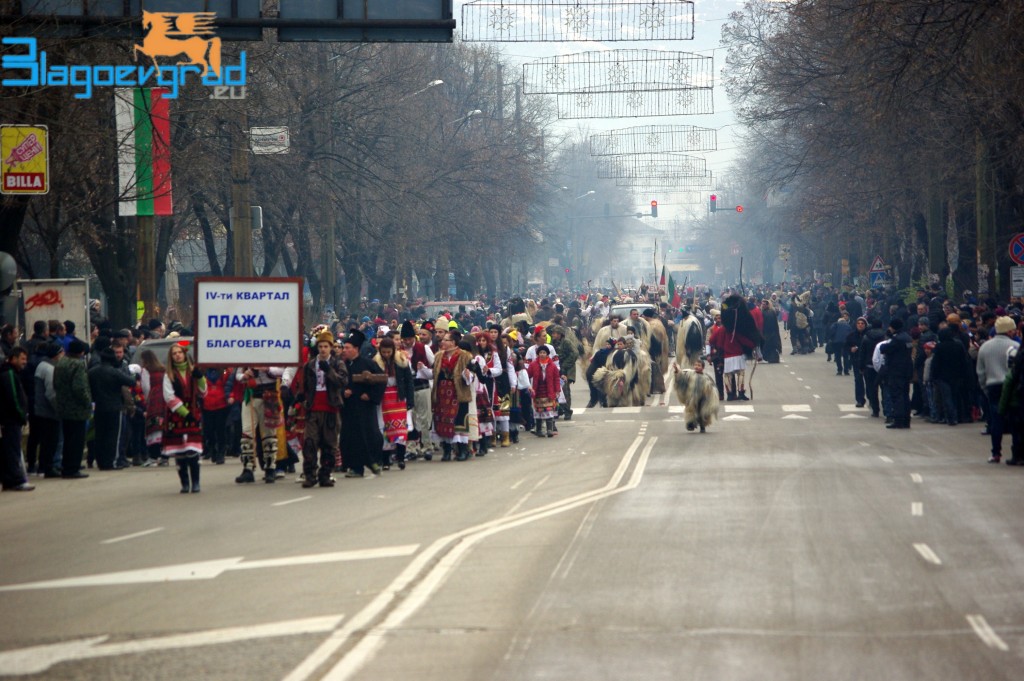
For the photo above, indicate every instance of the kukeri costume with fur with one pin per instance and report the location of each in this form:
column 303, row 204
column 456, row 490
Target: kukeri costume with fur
column 698, row 394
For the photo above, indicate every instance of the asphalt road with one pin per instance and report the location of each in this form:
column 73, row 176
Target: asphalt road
column 797, row 539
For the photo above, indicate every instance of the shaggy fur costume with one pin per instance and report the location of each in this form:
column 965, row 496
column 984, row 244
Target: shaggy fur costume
column 625, row 379
column 658, row 342
column 738, row 321
column 697, row 392
column 690, row 341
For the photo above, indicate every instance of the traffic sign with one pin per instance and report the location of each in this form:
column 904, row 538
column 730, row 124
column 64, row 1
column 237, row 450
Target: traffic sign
column 877, row 265
column 1017, row 282
column 1017, row 249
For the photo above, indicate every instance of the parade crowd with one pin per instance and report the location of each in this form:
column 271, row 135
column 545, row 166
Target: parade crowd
column 386, row 386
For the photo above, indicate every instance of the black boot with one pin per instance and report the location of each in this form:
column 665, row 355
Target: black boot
column 400, row 456
column 485, row 445
column 731, row 396
column 549, row 425
column 193, row 471
column 513, row 434
column 462, row 449
column 183, row 476
column 446, row 448
column 743, row 396
column 540, row 424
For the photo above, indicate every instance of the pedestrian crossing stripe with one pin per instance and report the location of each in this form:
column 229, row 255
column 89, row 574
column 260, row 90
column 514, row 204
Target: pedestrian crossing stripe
column 739, row 408
column 796, row 407
column 795, row 416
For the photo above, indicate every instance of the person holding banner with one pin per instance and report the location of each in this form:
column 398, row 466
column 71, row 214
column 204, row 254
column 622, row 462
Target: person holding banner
column 261, row 417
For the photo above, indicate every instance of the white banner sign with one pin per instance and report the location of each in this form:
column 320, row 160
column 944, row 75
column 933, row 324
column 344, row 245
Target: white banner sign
column 269, row 140
column 1017, row 281
column 60, row 299
column 248, row 322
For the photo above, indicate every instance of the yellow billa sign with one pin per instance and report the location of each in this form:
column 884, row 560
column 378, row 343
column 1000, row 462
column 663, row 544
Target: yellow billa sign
column 24, row 159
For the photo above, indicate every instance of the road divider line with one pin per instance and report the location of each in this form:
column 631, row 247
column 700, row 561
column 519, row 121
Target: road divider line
column 916, row 509
column 516, row 484
column 916, row 477
column 986, row 633
column 432, row 567
column 884, row 458
column 291, row 501
column 927, row 553
column 134, row 535
column 864, row 444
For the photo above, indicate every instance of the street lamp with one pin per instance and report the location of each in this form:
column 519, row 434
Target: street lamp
column 574, row 247
column 433, row 83
column 474, row 112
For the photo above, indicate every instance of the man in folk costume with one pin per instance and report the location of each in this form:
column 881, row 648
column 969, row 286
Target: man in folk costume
column 261, row 417
column 362, row 445
column 323, row 379
column 735, row 340
column 657, row 341
column 613, row 329
column 421, row 362
column 689, row 340
column 699, row 395
column 450, row 399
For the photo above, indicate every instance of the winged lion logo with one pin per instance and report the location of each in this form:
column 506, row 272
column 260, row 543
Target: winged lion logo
column 169, row 34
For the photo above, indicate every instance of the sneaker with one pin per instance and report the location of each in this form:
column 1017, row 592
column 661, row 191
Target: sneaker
column 994, row 459
column 246, row 476
column 375, row 468
column 353, row 474
column 23, row 487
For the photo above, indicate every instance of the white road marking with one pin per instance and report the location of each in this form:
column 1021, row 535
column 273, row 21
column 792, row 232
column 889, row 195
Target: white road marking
column 927, row 553
column 793, row 372
column 986, row 633
column 884, row 458
column 211, row 569
column 796, row 407
column 736, row 417
column 625, row 410
column 864, row 444
column 738, row 408
column 808, row 387
column 916, row 477
column 847, row 407
column 579, row 410
column 676, row 409
column 38, row 659
column 134, row 535
column 853, row 416
column 291, row 501
column 916, row 508
column 794, row 417
column 817, row 397
column 520, row 482
column 431, row 573
column 799, row 379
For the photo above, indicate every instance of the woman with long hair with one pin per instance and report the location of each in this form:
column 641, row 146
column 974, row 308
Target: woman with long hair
column 398, row 400
column 183, row 388
column 156, row 409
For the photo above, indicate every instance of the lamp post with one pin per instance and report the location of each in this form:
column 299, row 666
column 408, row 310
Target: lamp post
column 573, row 245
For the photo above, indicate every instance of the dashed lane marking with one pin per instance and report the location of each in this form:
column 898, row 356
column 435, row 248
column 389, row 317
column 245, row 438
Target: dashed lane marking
column 884, row 458
column 796, row 407
column 625, row 410
column 134, row 535
column 794, row 417
column 986, row 633
column 916, row 477
column 736, row 417
column 927, row 553
column 853, row 416
column 738, row 408
column 291, row 501
column 917, row 509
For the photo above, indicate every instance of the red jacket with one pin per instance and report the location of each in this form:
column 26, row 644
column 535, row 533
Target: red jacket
column 216, row 383
column 727, row 344
column 546, row 385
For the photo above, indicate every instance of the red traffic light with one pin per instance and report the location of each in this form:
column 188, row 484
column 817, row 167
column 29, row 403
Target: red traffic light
column 654, row 209
column 739, row 209
column 653, row 204
column 567, row 270
column 714, row 197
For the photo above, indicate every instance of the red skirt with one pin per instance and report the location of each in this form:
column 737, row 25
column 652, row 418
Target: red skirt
column 393, row 408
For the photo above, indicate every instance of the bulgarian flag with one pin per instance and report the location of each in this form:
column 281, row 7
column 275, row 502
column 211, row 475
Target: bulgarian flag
column 143, row 151
column 673, row 294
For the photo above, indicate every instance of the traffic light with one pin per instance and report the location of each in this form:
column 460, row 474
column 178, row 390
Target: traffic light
column 739, row 209
column 654, row 209
column 567, row 270
column 713, row 203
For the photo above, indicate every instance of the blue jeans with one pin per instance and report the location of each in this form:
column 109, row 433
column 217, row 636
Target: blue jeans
column 931, row 397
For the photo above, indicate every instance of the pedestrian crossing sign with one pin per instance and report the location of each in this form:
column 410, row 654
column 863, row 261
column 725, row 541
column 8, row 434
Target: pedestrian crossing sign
column 877, row 265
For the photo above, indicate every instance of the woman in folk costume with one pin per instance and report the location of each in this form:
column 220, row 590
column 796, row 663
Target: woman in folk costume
column 451, row 396
column 156, row 409
column 396, row 407
column 490, row 369
column 183, row 389
column 504, row 391
column 475, row 378
column 698, row 394
column 544, row 387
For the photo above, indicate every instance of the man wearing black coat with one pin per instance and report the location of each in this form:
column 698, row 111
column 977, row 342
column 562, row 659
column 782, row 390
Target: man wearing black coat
column 872, row 337
column 362, row 444
column 13, row 417
column 105, row 382
column 323, row 379
column 899, row 371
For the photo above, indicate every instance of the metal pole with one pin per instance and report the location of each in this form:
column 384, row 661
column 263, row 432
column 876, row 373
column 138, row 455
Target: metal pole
column 147, row 264
column 241, row 221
